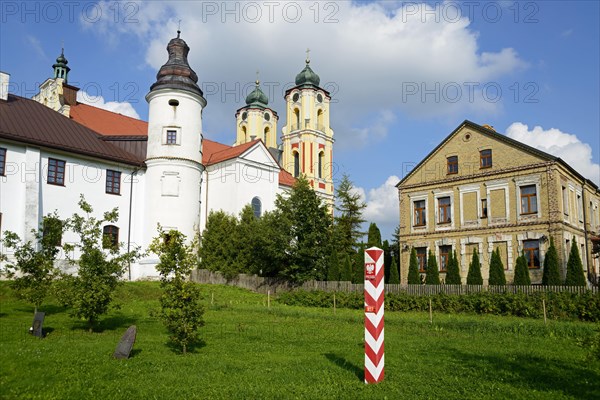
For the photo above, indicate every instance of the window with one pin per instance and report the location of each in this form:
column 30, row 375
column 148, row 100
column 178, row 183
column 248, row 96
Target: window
column 266, row 135
column 565, row 200
column 531, row 250
column 483, row 208
column 52, row 231
column 56, row 171
column 579, row 207
column 445, row 252
column 296, row 164
column 110, row 237
column 256, row 207
column 485, row 158
column 171, row 137
column 453, row 165
column 113, row 182
column 419, row 207
column 444, row 210
column 528, row 199
column 2, row 161
column 297, row 118
column 321, row 156
column 422, row 258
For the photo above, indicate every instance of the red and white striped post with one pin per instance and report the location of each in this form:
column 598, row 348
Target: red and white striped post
column 374, row 296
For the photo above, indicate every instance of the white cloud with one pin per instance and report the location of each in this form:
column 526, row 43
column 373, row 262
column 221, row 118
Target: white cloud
column 36, row 46
column 124, row 108
column 560, row 144
column 382, row 203
column 373, row 58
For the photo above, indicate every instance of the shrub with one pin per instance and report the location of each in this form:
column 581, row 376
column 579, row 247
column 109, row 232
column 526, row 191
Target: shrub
column 474, row 276
column 551, row 275
column 575, row 275
column 453, row 274
column 394, row 274
column 432, row 276
column 413, row 269
column 497, row 270
column 522, row 272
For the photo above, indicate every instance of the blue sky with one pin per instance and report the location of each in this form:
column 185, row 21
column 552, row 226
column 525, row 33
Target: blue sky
column 403, row 74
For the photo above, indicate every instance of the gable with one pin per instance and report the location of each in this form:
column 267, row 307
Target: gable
column 260, row 154
column 465, row 143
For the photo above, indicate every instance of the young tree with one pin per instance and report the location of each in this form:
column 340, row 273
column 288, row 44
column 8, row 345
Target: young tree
column 575, row 276
column 453, row 272
column 348, row 220
column 387, row 259
column 522, row 272
column 474, row 276
column 497, row 276
column 181, row 310
column 333, row 270
column 551, row 276
column 374, row 236
column 217, row 249
column 347, row 269
column 33, row 270
column 100, row 263
column 309, row 228
column 394, row 272
column 414, row 278
column 432, row 276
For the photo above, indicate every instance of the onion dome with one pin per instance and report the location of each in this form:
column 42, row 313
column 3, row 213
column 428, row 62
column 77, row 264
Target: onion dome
column 307, row 76
column 257, row 98
column 61, row 70
column 176, row 73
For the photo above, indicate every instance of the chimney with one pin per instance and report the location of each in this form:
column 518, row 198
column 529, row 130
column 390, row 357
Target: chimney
column 70, row 94
column 4, row 80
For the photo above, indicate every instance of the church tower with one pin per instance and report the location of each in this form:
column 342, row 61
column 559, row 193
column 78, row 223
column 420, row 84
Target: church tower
column 55, row 92
column 256, row 120
column 174, row 155
column 307, row 139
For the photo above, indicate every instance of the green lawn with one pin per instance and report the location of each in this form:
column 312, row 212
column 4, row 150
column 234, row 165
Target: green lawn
column 253, row 352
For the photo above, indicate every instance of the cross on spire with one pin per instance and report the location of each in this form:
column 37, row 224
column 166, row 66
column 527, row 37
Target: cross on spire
column 257, row 80
column 307, row 56
column 178, row 29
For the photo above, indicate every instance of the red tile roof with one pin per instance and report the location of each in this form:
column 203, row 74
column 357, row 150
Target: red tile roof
column 285, row 178
column 27, row 121
column 223, row 152
column 107, row 122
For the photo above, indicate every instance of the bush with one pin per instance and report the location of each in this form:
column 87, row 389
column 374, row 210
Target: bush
column 551, row 275
column 432, row 276
column 575, row 275
column 453, row 274
column 497, row 276
column 521, row 277
column 413, row 269
column 474, row 276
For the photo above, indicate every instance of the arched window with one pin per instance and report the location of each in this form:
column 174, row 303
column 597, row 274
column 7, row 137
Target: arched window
column 257, row 207
column 110, row 237
column 321, row 159
column 297, row 118
column 296, row 164
column 320, row 125
column 245, row 133
column 266, row 136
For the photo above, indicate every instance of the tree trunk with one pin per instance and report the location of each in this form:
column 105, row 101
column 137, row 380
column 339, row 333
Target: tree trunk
column 184, row 349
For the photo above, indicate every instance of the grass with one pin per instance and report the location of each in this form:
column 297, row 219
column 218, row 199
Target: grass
column 250, row 351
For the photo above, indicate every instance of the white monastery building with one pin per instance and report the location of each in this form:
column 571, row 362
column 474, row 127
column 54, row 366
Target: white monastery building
column 53, row 149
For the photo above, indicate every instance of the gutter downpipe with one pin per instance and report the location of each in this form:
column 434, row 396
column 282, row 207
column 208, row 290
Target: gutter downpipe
column 134, row 173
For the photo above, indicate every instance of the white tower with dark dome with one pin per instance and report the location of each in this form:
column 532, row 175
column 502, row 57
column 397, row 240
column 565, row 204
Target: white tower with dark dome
column 174, row 156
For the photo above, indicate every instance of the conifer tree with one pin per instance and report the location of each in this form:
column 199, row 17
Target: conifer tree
column 413, row 269
column 474, row 276
column 522, row 272
column 453, row 273
column 551, row 275
column 432, row 276
column 387, row 259
column 575, row 276
column 333, row 270
column 497, row 276
column 348, row 219
column 394, row 272
column 374, row 236
column 358, row 275
column 346, row 274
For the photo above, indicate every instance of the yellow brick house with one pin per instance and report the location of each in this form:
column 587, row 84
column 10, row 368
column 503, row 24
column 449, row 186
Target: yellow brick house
column 479, row 189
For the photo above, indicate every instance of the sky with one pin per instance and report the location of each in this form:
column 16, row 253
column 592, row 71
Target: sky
column 402, row 75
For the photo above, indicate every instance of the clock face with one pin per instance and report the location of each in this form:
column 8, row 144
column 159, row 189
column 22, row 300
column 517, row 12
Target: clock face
column 296, row 97
column 267, row 116
column 320, row 98
column 244, row 116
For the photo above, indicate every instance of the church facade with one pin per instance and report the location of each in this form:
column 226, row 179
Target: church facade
column 54, row 149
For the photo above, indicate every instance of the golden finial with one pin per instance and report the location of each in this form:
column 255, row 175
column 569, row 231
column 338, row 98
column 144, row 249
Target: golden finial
column 307, row 56
column 178, row 29
column 257, row 80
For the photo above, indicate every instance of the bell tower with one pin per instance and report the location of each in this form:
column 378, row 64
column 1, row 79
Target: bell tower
column 174, row 155
column 256, row 120
column 307, row 139
column 55, row 92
